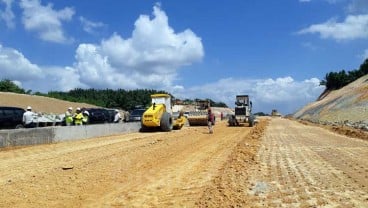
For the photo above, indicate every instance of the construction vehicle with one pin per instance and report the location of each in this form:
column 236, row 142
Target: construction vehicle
column 199, row 117
column 275, row 113
column 243, row 112
column 159, row 115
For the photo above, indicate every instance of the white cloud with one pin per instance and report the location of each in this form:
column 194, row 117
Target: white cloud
column 46, row 21
column 14, row 66
column 149, row 59
column 353, row 27
column 7, row 15
column 90, row 26
column 284, row 94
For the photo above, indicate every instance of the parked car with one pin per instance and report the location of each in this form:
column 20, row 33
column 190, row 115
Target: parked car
column 98, row 115
column 11, row 117
column 111, row 115
column 136, row 114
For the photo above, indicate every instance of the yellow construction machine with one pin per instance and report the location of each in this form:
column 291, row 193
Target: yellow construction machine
column 199, row 116
column 159, row 115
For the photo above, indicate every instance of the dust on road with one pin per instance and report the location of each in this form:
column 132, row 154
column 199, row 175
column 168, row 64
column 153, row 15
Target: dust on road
column 289, row 164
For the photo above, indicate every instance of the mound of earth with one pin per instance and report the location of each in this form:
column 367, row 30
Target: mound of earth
column 348, row 105
column 38, row 103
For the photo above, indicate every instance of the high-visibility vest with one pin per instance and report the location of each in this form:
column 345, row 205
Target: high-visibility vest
column 68, row 118
column 85, row 119
column 78, row 119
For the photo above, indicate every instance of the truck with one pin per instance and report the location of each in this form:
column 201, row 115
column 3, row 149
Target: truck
column 159, row 115
column 243, row 112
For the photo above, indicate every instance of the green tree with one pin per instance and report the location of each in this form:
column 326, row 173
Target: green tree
column 7, row 85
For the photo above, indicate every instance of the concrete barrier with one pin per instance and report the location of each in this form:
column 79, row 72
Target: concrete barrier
column 47, row 135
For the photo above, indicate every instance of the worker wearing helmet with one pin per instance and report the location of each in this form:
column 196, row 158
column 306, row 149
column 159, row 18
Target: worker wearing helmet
column 78, row 117
column 28, row 118
column 117, row 116
column 69, row 116
column 85, row 117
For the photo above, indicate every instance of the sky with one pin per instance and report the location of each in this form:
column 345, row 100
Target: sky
column 277, row 52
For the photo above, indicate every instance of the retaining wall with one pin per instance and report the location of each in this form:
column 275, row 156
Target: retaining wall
column 46, row 135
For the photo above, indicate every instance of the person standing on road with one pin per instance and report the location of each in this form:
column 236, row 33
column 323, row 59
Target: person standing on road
column 210, row 120
column 78, row 117
column 69, row 117
column 85, row 117
column 117, row 116
column 28, row 118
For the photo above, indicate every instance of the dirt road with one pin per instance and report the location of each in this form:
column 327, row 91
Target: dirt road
column 281, row 163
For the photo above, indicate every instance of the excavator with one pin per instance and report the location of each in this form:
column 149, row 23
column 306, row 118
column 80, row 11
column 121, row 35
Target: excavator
column 159, row 115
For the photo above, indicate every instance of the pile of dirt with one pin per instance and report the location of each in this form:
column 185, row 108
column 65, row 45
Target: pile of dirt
column 228, row 188
column 348, row 105
column 38, row 103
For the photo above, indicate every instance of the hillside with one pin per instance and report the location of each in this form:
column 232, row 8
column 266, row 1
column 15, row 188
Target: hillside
column 346, row 105
column 38, row 103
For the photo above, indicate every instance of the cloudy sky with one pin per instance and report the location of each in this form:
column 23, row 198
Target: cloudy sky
column 275, row 51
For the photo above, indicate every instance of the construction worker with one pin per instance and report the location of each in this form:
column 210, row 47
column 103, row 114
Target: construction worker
column 85, row 117
column 210, row 120
column 69, row 117
column 117, row 116
column 28, row 118
column 78, row 117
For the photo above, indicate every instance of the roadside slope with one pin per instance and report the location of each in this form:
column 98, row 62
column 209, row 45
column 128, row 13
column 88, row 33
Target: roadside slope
column 38, row 103
column 349, row 103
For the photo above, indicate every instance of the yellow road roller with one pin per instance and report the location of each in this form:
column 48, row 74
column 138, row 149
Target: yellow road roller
column 159, row 115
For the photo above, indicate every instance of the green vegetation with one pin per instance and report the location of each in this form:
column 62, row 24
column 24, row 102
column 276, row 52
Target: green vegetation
column 261, row 114
column 123, row 99
column 337, row 80
column 108, row 98
column 7, row 85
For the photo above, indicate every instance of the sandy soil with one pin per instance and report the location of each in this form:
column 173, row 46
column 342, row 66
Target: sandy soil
column 38, row 103
column 278, row 163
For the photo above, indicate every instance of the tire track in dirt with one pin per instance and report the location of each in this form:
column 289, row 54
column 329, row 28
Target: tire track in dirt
column 157, row 169
column 303, row 166
column 178, row 180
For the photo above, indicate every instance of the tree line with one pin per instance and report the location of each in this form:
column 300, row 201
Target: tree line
column 107, row 98
column 337, row 80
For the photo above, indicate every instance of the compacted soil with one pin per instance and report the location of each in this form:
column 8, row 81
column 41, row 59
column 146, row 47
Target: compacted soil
column 277, row 163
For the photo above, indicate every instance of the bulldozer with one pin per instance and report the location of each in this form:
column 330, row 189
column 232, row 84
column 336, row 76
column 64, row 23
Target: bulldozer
column 199, row 116
column 243, row 112
column 159, row 115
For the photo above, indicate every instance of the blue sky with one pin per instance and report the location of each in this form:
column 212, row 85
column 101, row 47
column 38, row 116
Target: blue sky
column 275, row 51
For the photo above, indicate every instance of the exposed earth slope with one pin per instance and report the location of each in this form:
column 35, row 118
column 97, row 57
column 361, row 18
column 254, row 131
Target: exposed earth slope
column 349, row 103
column 38, row 103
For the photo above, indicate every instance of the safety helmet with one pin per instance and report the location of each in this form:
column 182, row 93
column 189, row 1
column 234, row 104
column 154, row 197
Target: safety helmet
column 86, row 112
column 78, row 109
column 70, row 108
column 29, row 108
